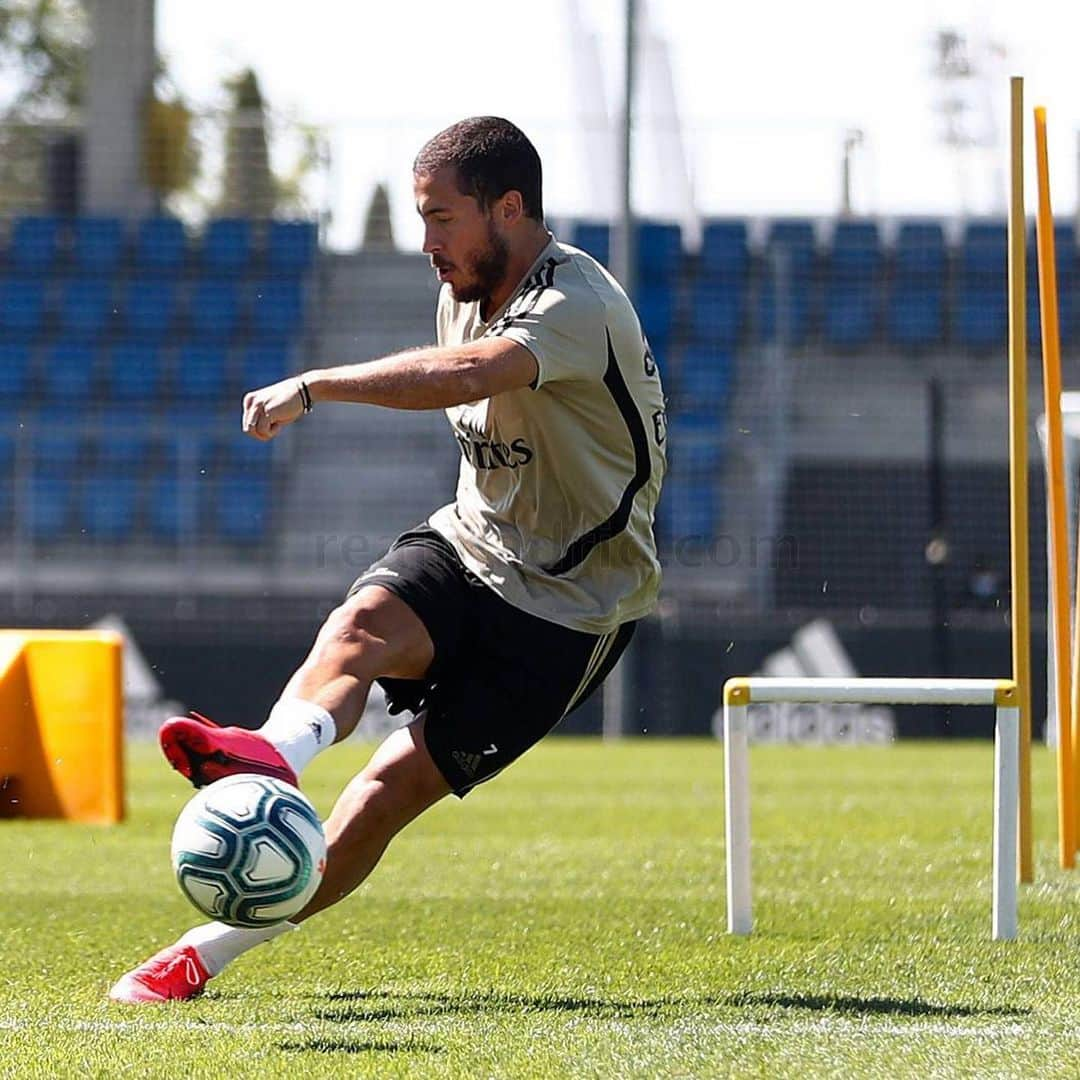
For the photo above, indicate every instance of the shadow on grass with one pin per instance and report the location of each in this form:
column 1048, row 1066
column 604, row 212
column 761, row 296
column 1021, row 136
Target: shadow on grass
column 357, row 1006
column 366, row 1005
column 359, row 1046
column 868, row 1006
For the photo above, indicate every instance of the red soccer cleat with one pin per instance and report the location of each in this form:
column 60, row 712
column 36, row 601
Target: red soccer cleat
column 174, row 974
column 203, row 752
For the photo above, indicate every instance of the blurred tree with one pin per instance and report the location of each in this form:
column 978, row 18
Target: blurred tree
column 170, row 152
column 43, row 46
column 249, row 189
column 378, row 228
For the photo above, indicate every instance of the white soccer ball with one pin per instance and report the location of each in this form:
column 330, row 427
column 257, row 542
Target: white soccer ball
column 249, row 850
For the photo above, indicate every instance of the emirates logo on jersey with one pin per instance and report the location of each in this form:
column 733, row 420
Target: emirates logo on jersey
column 493, row 454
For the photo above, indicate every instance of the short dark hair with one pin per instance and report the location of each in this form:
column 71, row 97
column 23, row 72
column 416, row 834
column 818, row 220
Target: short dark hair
column 491, row 156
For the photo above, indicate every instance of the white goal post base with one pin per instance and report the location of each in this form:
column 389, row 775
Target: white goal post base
column 999, row 693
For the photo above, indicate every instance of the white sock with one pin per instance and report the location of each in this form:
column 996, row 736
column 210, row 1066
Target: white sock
column 218, row 944
column 298, row 730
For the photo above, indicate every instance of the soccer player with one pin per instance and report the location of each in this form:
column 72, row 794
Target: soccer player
column 506, row 609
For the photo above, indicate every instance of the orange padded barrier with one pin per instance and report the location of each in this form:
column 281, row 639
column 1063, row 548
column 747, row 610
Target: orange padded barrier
column 61, row 725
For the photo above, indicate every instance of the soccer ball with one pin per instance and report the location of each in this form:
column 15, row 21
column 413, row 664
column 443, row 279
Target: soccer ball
column 249, row 850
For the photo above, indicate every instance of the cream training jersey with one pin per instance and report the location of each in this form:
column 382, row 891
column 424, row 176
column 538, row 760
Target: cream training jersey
column 559, row 481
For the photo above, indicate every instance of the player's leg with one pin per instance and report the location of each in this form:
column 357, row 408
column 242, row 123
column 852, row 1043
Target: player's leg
column 373, row 633
column 399, row 782
column 397, row 785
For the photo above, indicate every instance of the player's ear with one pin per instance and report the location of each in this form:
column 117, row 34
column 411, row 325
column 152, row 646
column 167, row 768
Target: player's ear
column 512, row 207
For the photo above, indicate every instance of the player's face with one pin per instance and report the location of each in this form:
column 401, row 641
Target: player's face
column 462, row 240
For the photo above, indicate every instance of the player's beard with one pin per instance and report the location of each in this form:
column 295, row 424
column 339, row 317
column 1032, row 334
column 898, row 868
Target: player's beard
column 486, row 267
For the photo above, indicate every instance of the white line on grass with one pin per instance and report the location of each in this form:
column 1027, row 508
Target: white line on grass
column 840, row 1027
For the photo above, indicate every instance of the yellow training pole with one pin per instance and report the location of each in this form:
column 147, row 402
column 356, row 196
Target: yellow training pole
column 1059, row 541
column 1018, row 468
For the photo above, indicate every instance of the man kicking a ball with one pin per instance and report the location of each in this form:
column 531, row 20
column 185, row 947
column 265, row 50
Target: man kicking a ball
column 506, row 609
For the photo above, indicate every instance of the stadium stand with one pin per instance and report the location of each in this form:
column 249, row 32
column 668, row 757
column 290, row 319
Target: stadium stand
column 150, row 335
column 111, row 337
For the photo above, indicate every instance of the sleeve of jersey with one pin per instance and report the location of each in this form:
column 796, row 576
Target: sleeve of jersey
column 565, row 336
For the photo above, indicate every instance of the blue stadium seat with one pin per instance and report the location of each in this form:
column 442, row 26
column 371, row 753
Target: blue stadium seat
column 704, row 383
column 33, row 247
column 22, row 309
column 169, row 512
column 852, row 300
column 7, row 479
column 240, row 453
column 915, row 315
column 915, row 306
column 984, row 250
column 190, row 438
column 798, row 317
column 695, row 444
column 214, row 310
column 134, row 373
column 856, row 250
column 920, row 252
column 54, row 443
column 687, row 509
column 98, row 244
column 725, row 253
column 161, row 246
column 150, row 309
column 290, row 246
column 202, row 375
column 68, row 374
column 226, row 246
column 261, row 365
column 593, row 237
column 123, row 439
column 86, row 308
column 981, row 311
column 243, row 508
column 718, row 310
column 15, row 361
column 852, row 312
column 981, row 316
column 659, row 253
column 277, row 310
column 790, row 250
column 7, row 447
column 656, row 308
column 51, row 495
column 108, row 501
column 795, row 235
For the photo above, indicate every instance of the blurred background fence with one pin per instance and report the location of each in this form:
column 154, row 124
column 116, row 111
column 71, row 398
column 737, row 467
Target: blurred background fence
column 836, row 426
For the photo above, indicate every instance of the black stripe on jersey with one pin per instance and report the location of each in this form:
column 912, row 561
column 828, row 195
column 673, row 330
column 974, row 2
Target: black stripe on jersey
column 543, row 279
column 579, row 550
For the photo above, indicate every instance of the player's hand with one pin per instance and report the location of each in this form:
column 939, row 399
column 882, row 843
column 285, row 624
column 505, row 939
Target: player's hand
column 268, row 410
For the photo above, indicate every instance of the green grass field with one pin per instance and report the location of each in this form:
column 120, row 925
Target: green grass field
column 568, row 920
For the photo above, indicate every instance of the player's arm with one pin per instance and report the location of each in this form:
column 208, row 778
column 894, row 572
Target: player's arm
column 430, row 378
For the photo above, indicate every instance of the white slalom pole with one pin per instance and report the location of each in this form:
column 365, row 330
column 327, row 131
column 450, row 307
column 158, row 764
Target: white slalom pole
column 1006, row 800
column 737, row 809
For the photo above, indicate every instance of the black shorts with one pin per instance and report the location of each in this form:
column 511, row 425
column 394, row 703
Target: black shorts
column 501, row 678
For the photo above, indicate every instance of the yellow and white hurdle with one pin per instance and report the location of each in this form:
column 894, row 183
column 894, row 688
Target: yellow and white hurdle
column 1000, row 693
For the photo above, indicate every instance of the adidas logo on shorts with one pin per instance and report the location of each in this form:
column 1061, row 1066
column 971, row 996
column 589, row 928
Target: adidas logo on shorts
column 468, row 763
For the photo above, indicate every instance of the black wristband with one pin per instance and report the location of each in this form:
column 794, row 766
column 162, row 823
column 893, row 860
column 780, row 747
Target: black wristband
column 305, row 395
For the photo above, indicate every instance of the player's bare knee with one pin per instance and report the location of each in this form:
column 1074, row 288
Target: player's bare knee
column 347, row 644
